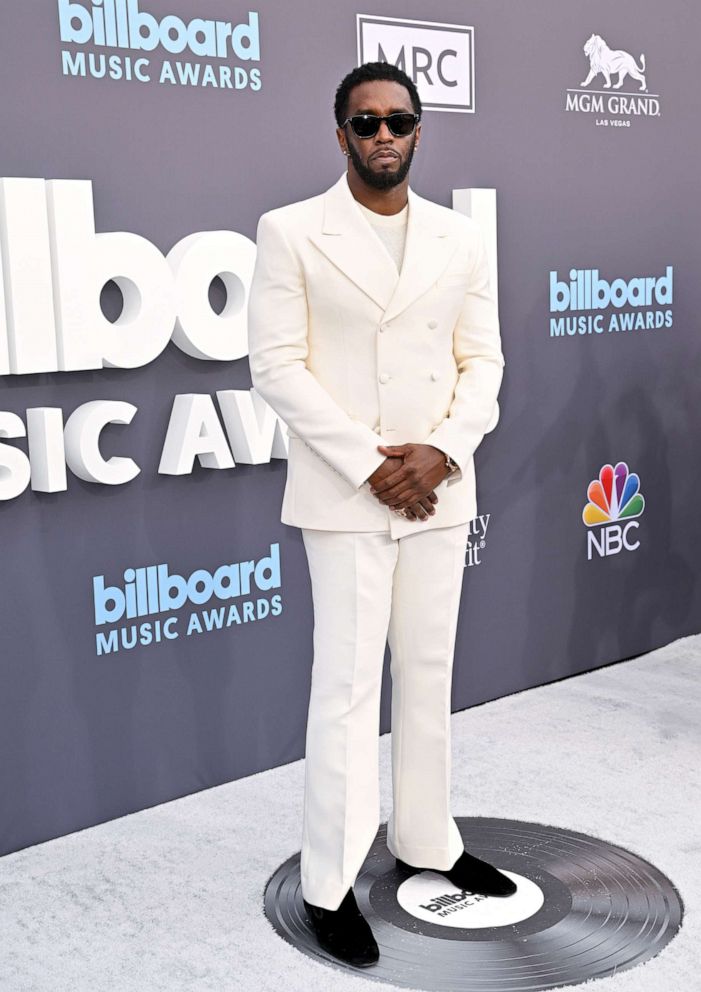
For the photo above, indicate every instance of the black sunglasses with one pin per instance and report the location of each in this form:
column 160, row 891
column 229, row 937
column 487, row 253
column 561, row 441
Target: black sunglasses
column 367, row 125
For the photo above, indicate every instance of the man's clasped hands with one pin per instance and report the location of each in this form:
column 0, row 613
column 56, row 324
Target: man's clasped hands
column 404, row 481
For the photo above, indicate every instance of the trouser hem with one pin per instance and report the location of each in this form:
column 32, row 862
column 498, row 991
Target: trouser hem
column 439, row 858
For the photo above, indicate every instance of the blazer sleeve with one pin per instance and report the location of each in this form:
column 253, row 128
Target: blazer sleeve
column 480, row 363
column 278, row 351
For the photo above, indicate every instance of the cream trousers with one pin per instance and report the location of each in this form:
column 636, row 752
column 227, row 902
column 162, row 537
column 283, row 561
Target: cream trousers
column 369, row 589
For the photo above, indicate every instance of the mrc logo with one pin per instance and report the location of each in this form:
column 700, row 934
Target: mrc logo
column 439, row 58
column 614, row 501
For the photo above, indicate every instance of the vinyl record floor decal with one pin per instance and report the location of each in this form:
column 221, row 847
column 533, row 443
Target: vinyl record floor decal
column 583, row 909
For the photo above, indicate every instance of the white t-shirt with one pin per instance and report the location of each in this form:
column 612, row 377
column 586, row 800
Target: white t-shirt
column 391, row 230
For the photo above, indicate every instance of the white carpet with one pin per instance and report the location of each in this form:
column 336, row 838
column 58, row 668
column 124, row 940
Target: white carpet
column 171, row 898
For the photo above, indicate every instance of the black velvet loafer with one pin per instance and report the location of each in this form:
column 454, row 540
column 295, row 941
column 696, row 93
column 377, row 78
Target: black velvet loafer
column 344, row 932
column 470, row 873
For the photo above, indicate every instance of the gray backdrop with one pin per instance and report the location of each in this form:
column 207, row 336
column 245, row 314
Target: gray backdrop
column 84, row 738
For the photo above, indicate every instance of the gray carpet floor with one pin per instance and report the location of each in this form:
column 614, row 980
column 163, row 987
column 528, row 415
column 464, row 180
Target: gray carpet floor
column 171, row 898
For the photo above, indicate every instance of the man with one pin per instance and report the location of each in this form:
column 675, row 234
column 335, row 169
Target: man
column 373, row 335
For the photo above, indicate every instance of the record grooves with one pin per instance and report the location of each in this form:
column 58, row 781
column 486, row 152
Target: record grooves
column 584, row 909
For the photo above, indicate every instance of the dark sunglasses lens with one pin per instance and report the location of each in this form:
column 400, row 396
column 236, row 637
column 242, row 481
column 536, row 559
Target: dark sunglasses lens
column 365, row 125
column 401, row 124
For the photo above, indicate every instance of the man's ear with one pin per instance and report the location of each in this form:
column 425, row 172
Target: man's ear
column 341, row 139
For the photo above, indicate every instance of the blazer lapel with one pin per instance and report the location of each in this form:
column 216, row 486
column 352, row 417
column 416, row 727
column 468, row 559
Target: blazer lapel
column 346, row 240
column 349, row 243
column 428, row 250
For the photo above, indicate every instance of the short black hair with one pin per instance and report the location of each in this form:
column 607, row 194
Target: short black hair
column 369, row 72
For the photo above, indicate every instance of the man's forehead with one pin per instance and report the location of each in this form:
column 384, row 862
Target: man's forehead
column 379, row 95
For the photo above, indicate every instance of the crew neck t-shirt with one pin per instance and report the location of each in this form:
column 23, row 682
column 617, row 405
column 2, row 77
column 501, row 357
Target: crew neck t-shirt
column 391, row 230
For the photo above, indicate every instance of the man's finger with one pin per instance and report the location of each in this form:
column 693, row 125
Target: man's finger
column 407, row 498
column 393, row 478
column 394, row 449
column 427, row 505
column 403, row 496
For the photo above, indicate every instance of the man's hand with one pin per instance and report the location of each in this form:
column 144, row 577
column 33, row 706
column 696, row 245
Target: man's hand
column 403, row 485
column 422, row 508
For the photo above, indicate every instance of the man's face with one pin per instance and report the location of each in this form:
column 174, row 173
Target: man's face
column 381, row 161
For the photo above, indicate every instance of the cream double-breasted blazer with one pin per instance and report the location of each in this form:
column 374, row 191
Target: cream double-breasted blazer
column 351, row 354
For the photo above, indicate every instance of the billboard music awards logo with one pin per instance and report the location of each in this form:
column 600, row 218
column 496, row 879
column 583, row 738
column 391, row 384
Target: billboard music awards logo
column 439, row 58
column 614, row 503
column 612, row 107
column 122, row 24
column 136, row 609
column 430, row 897
column 637, row 303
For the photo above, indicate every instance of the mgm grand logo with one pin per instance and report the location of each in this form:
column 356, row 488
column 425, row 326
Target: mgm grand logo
column 614, row 105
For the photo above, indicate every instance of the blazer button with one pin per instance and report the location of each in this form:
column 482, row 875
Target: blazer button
column 385, row 377
column 433, row 324
column 435, row 375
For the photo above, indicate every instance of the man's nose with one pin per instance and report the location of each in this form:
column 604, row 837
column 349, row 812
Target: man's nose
column 384, row 133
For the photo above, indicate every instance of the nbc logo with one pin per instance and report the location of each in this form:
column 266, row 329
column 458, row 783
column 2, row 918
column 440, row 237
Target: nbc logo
column 614, row 501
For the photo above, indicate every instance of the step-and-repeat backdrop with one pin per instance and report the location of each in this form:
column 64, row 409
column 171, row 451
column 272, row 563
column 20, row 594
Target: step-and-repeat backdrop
column 155, row 615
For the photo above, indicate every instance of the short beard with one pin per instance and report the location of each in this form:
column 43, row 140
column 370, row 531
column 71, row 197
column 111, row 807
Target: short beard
column 384, row 179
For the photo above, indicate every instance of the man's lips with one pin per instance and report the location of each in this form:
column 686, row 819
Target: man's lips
column 384, row 156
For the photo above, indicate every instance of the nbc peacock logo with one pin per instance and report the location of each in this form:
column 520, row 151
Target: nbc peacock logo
column 614, row 503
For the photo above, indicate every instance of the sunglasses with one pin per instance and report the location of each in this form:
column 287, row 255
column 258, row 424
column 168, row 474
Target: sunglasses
column 367, row 125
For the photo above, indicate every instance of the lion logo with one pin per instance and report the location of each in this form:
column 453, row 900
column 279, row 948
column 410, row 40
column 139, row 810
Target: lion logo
column 603, row 59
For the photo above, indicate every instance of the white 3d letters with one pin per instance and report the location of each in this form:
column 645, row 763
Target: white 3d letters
column 82, row 436
column 47, row 454
column 195, row 261
column 14, row 464
column 194, row 431
column 53, row 267
column 30, row 341
column 83, row 262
